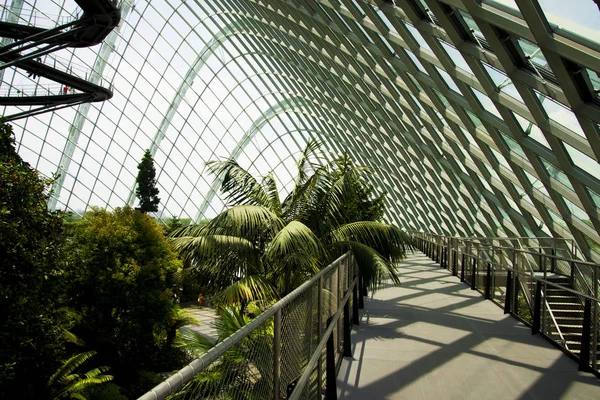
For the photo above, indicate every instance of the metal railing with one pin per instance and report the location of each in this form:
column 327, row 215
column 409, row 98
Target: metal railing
column 517, row 273
column 291, row 350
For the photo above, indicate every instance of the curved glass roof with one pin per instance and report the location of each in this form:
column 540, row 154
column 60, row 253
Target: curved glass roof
column 478, row 118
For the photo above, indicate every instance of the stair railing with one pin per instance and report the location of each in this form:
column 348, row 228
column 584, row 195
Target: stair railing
column 523, row 271
column 562, row 338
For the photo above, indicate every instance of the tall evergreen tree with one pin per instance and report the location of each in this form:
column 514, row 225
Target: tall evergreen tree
column 146, row 191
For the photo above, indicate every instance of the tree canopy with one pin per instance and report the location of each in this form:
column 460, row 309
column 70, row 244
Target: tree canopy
column 122, row 275
column 31, row 286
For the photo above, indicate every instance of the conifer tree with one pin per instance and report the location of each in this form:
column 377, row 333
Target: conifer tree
column 146, row 190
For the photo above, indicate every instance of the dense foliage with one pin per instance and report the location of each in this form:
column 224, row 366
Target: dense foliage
column 146, row 191
column 72, row 287
column 31, row 285
column 122, row 272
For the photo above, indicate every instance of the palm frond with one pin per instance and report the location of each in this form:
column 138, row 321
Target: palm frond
column 374, row 268
column 70, row 337
column 295, row 237
column 248, row 289
column 302, row 265
column 230, row 320
column 189, row 230
column 238, row 185
column 69, row 366
column 387, row 240
column 270, row 189
column 297, row 205
column 193, row 342
column 305, row 165
column 70, row 384
column 248, row 221
column 211, row 248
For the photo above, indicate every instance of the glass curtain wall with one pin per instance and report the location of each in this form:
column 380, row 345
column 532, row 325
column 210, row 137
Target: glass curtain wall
column 477, row 118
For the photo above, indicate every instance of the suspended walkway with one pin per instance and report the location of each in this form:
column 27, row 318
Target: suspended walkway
column 435, row 338
column 27, row 47
column 488, row 318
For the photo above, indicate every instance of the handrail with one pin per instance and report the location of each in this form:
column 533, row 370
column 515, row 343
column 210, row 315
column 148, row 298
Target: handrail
column 186, row 374
column 529, row 268
column 550, row 283
column 318, row 353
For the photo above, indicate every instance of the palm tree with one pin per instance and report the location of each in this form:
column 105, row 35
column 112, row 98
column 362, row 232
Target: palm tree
column 261, row 247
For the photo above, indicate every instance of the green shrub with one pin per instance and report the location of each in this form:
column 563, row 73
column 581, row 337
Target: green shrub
column 122, row 275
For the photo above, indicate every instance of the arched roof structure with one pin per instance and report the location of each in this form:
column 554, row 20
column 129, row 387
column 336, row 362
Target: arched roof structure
column 478, row 118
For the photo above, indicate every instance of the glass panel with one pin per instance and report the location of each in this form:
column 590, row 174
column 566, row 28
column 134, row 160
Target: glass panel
column 487, row 103
column 559, row 113
column 418, row 37
column 583, row 161
column 448, row 79
column 384, row 19
column 557, row 174
column 581, row 21
column 531, row 130
column 456, row 56
column 533, row 53
column 595, row 197
column 503, row 82
column 414, row 59
column 471, row 23
column 594, row 80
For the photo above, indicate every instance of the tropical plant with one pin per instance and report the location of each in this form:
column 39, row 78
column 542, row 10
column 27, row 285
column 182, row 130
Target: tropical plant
column 242, row 371
column 69, row 385
column 31, row 285
column 262, row 247
column 146, row 190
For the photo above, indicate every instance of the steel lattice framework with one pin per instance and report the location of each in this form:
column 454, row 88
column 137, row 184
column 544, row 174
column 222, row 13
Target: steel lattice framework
column 478, row 118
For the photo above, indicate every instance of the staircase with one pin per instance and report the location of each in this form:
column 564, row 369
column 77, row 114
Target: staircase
column 568, row 312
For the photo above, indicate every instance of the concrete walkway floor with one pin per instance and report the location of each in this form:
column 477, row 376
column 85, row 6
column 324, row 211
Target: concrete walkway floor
column 434, row 338
column 206, row 318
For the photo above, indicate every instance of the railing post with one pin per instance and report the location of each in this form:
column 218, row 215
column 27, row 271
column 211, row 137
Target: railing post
column 445, row 256
column 347, row 329
column 454, row 262
column 340, row 296
column 277, row 355
column 331, row 386
column 537, row 308
column 320, row 335
column 488, row 282
column 361, row 300
column 462, row 268
column 584, row 355
column 473, row 271
column 508, row 294
column 596, row 321
column 553, row 262
column 355, row 314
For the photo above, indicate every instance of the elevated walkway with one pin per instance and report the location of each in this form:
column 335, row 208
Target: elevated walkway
column 435, row 338
column 26, row 47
